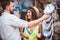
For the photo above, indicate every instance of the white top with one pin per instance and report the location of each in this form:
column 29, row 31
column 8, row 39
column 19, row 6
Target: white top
column 46, row 26
column 9, row 26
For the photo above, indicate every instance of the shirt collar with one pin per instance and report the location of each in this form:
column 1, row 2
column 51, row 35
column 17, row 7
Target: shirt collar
column 5, row 13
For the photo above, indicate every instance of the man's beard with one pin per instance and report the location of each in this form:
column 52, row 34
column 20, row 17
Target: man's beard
column 12, row 12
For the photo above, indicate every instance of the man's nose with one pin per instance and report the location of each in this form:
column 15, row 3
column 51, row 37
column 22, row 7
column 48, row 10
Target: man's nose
column 14, row 7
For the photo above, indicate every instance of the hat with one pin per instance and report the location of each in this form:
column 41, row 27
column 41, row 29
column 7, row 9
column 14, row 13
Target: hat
column 49, row 9
column 37, row 11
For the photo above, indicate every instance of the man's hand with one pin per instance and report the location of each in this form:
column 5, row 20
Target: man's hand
column 44, row 17
column 26, row 36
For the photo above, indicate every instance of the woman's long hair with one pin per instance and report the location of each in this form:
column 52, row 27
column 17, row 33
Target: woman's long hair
column 34, row 14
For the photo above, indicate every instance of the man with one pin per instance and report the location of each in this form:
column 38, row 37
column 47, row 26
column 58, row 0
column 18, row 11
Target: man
column 0, row 14
column 10, row 24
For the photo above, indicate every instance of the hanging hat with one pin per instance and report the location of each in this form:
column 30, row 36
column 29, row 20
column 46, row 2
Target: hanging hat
column 49, row 9
column 37, row 11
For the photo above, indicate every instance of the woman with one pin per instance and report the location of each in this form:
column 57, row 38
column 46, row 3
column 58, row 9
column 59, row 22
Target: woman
column 35, row 32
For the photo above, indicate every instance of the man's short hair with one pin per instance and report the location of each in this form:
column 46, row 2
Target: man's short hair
column 5, row 3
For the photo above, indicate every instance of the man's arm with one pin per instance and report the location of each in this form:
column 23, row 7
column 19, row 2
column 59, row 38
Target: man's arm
column 35, row 22
column 16, row 22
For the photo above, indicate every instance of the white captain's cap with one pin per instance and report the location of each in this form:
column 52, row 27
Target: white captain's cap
column 49, row 9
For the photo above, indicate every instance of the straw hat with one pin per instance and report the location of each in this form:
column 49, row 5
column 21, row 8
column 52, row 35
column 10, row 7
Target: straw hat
column 37, row 11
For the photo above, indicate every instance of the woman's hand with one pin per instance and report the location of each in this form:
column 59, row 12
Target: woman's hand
column 39, row 35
